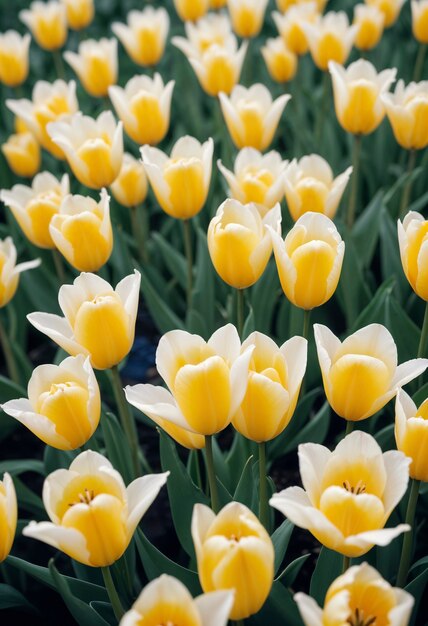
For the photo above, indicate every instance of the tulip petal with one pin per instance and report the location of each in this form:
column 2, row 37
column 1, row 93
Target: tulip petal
column 69, row 540
column 313, row 459
column 239, row 379
column 397, row 471
column 214, row 607
column 58, row 329
column 309, row 610
column 202, row 518
column 141, row 493
column 226, row 343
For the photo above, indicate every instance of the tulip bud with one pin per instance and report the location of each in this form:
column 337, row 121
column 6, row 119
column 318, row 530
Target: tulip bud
column 95, row 64
column 239, row 242
column 8, row 515
column 330, row 38
column 413, row 242
column 22, row 153
column 131, row 186
column 99, row 322
column 191, row 10
column 63, row 407
column 280, row 61
column 80, row 13
column 13, row 58
column 407, row 111
column 290, row 26
column 390, row 9
column 47, row 22
column 370, row 23
column 234, row 551
column 411, row 433
column 420, row 20
column 9, row 271
column 247, row 16
column 144, row 37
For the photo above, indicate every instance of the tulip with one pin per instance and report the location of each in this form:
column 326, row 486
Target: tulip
column 280, row 61
column 360, row 596
column 80, row 13
column 217, row 4
column 256, row 177
column 50, row 102
column 191, row 10
column 181, row 182
column 370, row 22
column 9, row 271
column 93, row 515
column 357, row 94
column 413, row 242
column 93, row 148
column 247, row 16
column 411, row 433
column 14, row 50
column 63, row 407
column 95, row 63
column 98, row 321
column 407, row 111
column 330, row 38
column 420, row 20
column 239, row 242
column 144, row 106
column 234, row 551
column 251, row 115
column 366, row 360
column 47, row 22
column 22, row 153
column 8, row 515
column 348, row 494
column 285, row 5
column 290, row 26
column 130, row 187
column 209, row 30
column 144, row 37
column 166, row 600
column 309, row 260
column 390, row 9
column 82, row 231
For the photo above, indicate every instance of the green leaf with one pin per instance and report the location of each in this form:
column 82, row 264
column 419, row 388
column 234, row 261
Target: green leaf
column 315, row 430
column 365, row 232
column 104, row 610
column 250, row 323
column 164, row 318
column 279, row 608
column 390, row 254
column 8, row 391
column 174, row 261
column 264, row 297
column 57, row 459
column 27, row 499
column 328, row 567
column 10, row 598
column 245, row 487
column 352, row 291
column 117, row 447
column 417, row 588
column 204, row 291
column 17, row 467
column 281, row 539
column 289, row 575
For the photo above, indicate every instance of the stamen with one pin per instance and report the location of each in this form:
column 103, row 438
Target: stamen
column 358, row 619
column 357, row 490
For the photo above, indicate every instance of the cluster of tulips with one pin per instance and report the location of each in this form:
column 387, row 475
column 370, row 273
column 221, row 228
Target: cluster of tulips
column 234, row 378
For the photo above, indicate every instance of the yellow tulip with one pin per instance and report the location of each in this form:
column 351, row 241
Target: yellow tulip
column 285, row 5
column 309, row 260
column 50, row 102
column 131, row 186
column 217, row 4
column 8, row 515
column 93, row 148
column 274, row 382
column 191, row 10
column 280, row 61
column 239, row 242
column 390, row 8
column 22, row 153
column 20, row 126
column 251, row 115
column 9, row 271
column 370, row 22
column 144, row 106
column 93, row 515
column 348, row 494
column 47, row 22
column 290, row 26
column 14, row 50
column 330, row 38
column 247, row 16
column 310, row 187
column 144, row 36
column 360, row 596
column 33, row 207
column 95, row 63
column 357, row 94
column 411, row 433
column 365, row 360
column 234, row 551
column 407, row 111
column 413, row 242
column 98, row 321
column 180, row 182
column 207, row 381
column 63, row 407
column 420, row 20
column 82, row 231
column 206, row 32
column 80, row 13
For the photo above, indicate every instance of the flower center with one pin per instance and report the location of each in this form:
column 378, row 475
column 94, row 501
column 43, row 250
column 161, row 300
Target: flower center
column 357, row 490
column 85, row 497
column 359, row 619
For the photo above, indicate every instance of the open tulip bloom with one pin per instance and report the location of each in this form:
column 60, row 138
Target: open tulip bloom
column 413, row 242
column 95, row 64
column 411, row 433
column 14, row 49
column 8, row 515
column 22, row 153
column 145, row 34
column 9, row 271
column 407, row 111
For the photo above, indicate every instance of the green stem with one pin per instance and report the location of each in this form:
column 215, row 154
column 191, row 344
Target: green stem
column 59, row 266
column 263, row 505
column 306, row 323
column 59, row 65
column 419, row 64
column 407, row 191
column 406, row 552
column 198, row 471
column 12, row 367
column 215, row 504
column 323, row 109
column 139, row 233
column 422, row 349
column 346, row 563
column 349, row 427
column 112, row 593
column 356, row 152
column 239, row 622
column 187, row 234
column 240, row 305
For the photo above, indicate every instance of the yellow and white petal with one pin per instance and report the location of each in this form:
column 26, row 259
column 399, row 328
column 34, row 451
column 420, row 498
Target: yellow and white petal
column 154, row 161
column 405, row 408
column 202, row 518
column 128, row 290
column 85, row 287
column 310, row 612
column 313, row 459
column 58, row 329
column 226, row 343
column 336, row 192
column 397, row 472
column 408, row 371
column 140, row 495
column 239, row 379
column 327, row 346
column 295, row 351
column 175, row 349
column 69, row 540
column 400, row 614
column 271, row 120
column 158, row 404
column 357, row 545
column 214, row 607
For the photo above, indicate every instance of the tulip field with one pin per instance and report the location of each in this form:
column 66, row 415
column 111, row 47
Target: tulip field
column 213, row 312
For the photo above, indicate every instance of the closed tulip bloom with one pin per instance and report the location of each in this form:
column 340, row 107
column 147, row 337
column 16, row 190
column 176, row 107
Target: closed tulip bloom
column 51, row 102
column 348, row 494
column 47, row 22
column 311, row 187
column 290, row 26
column 33, row 207
column 131, row 186
column 239, row 242
column 14, row 64
column 370, row 22
column 207, row 381
column 8, row 515
column 274, row 382
column 420, row 20
column 144, row 106
column 280, row 61
column 144, row 36
column 411, row 433
column 247, row 16
column 93, row 515
column 9, row 271
column 80, row 13
column 96, row 65
column 390, row 8
column 93, row 148
column 357, row 94
column 63, row 407
column 82, row 231
column 330, row 38
column 191, row 10
column 309, row 260
column 367, row 360
column 180, row 182
column 22, row 153
column 413, row 242
column 234, row 551
column 256, row 177
column 407, row 111
column 98, row 321
column 251, row 115
column 360, row 596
